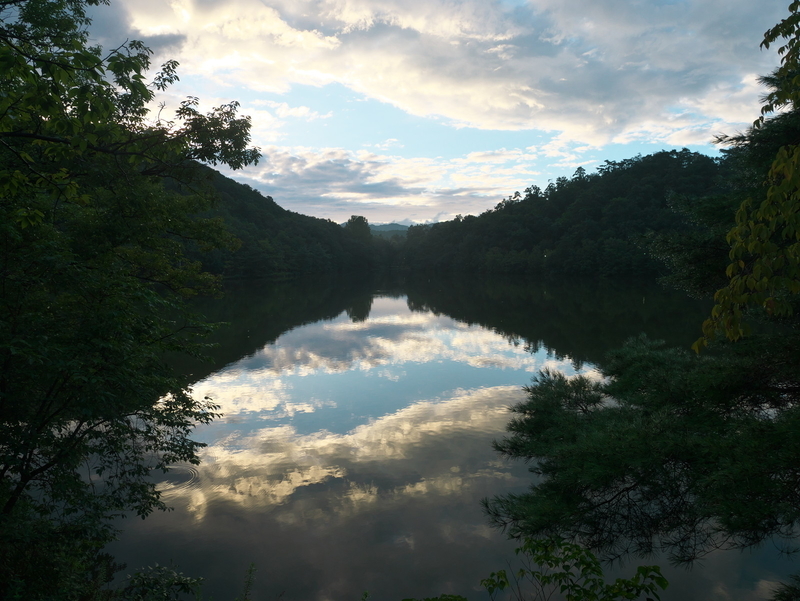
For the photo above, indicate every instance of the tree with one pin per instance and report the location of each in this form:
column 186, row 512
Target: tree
column 586, row 226
column 551, row 565
column 358, row 227
column 764, row 269
column 93, row 280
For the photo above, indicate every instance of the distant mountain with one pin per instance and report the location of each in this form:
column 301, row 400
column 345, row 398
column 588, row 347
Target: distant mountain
column 388, row 231
column 388, row 227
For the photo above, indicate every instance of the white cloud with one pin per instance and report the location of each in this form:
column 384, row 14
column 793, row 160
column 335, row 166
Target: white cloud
column 386, row 144
column 588, row 73
column 592, row 70
column 283, row 110
column 330, row 181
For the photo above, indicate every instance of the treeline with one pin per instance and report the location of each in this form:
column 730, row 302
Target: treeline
column 632, row 218
column 599, row 224
column 592, row 224
column 587, row 225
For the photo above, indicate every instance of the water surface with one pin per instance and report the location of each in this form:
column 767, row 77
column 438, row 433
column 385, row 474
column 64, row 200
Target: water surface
column 355, row 445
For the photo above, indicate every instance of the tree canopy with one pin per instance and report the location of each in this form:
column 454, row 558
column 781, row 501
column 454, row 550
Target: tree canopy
column 764, row 268
column 94, row 271
column 589, row 225
column 276, row 243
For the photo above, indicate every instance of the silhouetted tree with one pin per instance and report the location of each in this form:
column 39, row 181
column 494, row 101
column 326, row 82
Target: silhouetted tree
column 358, row 227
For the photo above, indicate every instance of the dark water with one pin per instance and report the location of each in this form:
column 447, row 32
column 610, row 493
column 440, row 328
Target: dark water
column 356, row 441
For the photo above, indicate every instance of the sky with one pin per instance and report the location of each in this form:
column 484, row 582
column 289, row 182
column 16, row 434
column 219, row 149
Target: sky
column 415, row 111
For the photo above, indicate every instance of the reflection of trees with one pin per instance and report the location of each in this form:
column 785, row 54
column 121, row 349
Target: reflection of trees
column 575, row 319
column 359, row 310
column 256, row 313
column 695, row 454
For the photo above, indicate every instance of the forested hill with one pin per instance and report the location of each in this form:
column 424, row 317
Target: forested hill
column 279, row 243
column 588, row 225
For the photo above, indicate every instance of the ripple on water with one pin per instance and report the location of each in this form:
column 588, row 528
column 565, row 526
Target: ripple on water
column 179, row 479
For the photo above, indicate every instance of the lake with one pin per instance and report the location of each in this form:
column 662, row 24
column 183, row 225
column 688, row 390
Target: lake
column 355, row 445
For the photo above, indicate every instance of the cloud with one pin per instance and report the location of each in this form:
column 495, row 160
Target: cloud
column 583, row 74
column 590, row 70
column 283, row 110
column 386, row 144
column 337, row 183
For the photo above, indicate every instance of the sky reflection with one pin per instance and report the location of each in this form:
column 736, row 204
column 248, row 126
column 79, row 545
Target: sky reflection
column 340, row 356
column 410, row 449
column 373, row 438
column 353, row 455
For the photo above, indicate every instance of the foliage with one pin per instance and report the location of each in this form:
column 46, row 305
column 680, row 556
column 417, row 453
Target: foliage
column 159, row 583
column 65, row 102
column 788, row 591
column 695, row 256
column 553, row 565
column 764, row 269
column 358, row 227
column 94, row 274
column 589, row 225
column 765, row 253
column 673, row 453
column 248, row 583
column 786, row 76
column 162, row 583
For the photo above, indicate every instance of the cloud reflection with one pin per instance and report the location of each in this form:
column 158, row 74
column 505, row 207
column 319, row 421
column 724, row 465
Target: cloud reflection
column 427, row 448
column 381, row 346
column 389, row 504
column 422, row 447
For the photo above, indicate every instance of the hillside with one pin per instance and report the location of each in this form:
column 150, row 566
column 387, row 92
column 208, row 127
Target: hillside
column 279, row 243
column 589, row 225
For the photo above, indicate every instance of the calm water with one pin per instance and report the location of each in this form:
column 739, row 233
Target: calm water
column 356, row 439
